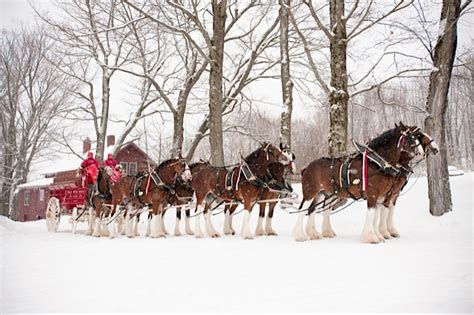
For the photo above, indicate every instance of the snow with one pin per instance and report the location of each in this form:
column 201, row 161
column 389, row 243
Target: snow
column 37, row 182
column 429, row 269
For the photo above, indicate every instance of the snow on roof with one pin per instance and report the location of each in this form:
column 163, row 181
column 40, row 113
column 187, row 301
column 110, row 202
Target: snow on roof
column 37, row 182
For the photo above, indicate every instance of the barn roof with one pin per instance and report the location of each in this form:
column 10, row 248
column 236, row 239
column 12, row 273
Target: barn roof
column 37, row 183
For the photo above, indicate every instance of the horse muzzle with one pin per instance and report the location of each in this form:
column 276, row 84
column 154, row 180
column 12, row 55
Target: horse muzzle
column 187, row 176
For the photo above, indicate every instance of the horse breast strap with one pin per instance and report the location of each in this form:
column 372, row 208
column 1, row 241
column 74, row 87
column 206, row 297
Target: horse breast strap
column 377, row 159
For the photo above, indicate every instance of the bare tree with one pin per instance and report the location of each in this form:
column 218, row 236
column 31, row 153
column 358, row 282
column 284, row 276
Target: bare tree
column 286, row 82
column 173, row 83
column 93, row 46
column 344, row 26
column 34, row 93
column 439, row 190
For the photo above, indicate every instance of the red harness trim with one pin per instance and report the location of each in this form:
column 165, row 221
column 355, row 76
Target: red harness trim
column 365, row 177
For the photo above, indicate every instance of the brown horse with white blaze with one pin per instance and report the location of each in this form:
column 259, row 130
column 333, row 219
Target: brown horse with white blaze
column 386, row 225
column 325, row 179
column 244, row 183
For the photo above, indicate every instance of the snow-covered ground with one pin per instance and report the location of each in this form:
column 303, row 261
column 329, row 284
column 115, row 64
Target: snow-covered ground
column 429, row 269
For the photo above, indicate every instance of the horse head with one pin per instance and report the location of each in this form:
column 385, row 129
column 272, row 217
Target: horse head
column 285, row 148
column 408, row 143
column 427, row 143
column 170, row 169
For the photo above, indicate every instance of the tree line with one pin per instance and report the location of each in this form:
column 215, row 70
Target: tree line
column 360, row 65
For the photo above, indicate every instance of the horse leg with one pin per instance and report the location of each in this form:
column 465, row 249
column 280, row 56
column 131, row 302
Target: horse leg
column 96, row 232
column 113, row 227
column 197, row 220
column 368, row 233
column 120, row 224
column 377, row 221
column 327, row 228
column 245, row 232
column 104, row 229
column 128, row 225
column 209, row 227
column 178, row 219
column 231, row 217
column 162, row 222
column 259, row 229
column 148, row 224
column 228, row 212
column 90, row 221
column 135, row 220
column 391, row 228
column 383, row 221
column 186, row 223
column 268, row 223
column 157, row 222
column 298, row 232
column 227, row 228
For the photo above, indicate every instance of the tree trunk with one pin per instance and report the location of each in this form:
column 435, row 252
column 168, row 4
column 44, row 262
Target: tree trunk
column 178, row 130
column 8, row 152
column 339, row 97
column 216, row 54
column 286, row 83
column 197, row 138
column 104, row 119
column 439, row 190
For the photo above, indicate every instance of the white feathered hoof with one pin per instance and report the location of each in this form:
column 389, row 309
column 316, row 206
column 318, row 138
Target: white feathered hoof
column 259, row 232
column 370, row 238
column 300, row 237
column 313, row 234
column 228, row 231
column 329, row 233
column 96, row 230
column 394, row 233
column 386, row 235
column 198, row 235
column 247, row 236
column 189, row 232
column 177, row 232
column 270, row 232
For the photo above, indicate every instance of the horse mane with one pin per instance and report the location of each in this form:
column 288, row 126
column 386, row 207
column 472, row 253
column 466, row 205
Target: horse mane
column 253, row 156
column 383, row 138
column 165, row 163
column 193, row 165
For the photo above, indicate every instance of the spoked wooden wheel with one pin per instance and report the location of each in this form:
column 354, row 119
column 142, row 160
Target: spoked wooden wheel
column 53, row 214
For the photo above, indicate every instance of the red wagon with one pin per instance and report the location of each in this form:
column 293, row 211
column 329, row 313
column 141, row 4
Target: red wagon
column 67, row 197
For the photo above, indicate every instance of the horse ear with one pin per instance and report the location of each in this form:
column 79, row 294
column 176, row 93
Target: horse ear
column 281, row 146
column 401, row 124
column 396, row 125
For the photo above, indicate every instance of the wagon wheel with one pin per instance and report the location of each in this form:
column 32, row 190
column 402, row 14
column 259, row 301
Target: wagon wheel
column 53, row 214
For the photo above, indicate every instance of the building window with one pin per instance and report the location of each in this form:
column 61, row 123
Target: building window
column 132, row 168
column 26, row 198
column 41, row 194
column 124, row 167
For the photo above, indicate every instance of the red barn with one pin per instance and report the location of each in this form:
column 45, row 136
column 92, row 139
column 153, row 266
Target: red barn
column 33, row 196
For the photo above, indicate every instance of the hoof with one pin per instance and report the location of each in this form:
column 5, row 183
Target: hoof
column 259, row 233
column 271, row 233
column 370, row 238
column 386, row 235
column 248, row 237
column 199, row 235
column 328, row 233
column 395, row 234
column 301, row 238
column 314, row 235
column 215, row 235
